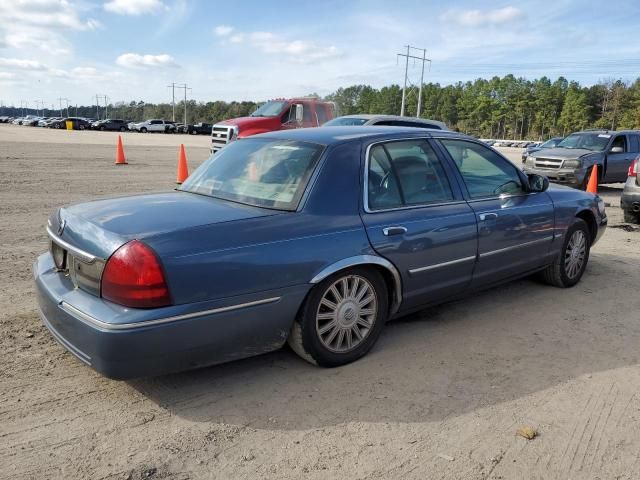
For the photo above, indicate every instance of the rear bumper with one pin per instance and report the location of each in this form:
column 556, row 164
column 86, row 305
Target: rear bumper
column 630, row 198
column 123, row 343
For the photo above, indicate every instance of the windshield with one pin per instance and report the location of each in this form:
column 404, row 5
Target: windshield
column 595, row 142
column 550, row 143
column 345, row 122
column 261, row 172
column 270, row 109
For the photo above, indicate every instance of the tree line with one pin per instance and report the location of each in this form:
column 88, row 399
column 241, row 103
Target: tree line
column 500, row 107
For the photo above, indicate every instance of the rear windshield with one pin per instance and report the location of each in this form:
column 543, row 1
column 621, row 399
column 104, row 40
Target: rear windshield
column 345, row 122
column 255, row 171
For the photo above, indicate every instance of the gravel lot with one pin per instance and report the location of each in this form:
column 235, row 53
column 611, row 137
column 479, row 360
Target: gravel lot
column 441, row 395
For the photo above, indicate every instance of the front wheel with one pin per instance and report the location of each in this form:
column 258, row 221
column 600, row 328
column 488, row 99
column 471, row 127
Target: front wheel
column 143, row 130
column 342, row 318
column 122, row 129
column 571, row 262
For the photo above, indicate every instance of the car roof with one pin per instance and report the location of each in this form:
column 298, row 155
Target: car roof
column 608, row 132
column 334, row 135
column 373, row 116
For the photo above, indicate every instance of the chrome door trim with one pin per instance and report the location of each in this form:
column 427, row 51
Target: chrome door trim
column 365, row 260
column 76, row 252
column 514, row 247
column 443, row 264
column 94, row 322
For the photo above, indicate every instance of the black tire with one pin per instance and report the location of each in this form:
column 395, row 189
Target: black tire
column 143, row 130
column 631, row 217
column 102, row 129
column 123, row 129
column 305, row 338
column 556, row 273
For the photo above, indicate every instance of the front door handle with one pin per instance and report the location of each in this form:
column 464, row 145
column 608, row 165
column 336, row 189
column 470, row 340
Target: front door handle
column 388, row 231
column 487, row 216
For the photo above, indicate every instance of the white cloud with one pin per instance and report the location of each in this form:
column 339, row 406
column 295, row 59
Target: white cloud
column 135, row 60
column 135, row 7
column 223, row 30
column 296, row 50
column 43, row 13
column 21, row 64
column 7, row 75
column 476, row 18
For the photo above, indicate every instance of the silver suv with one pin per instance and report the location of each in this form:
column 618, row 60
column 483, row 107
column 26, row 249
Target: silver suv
column 572, row 160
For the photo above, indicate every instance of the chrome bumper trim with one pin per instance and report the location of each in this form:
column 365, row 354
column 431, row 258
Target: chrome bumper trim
column 81, row 254
column 94, row 322
column 443, row 264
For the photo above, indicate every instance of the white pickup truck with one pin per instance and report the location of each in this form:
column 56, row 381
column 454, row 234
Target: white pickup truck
column 154, row 126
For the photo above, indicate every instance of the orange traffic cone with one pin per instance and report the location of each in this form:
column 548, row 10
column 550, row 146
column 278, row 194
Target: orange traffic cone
column 183, row 170
column 592, row 186
column 120, row 159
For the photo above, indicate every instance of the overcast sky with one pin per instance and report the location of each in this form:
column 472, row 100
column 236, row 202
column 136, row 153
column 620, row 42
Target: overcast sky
column 233, row 50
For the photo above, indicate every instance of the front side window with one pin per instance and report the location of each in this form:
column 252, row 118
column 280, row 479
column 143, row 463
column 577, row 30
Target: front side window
column 260, row 172
column 484, row 172
column 406, row 173
column 620, row 141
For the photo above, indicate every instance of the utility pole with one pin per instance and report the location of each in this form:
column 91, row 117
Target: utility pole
column 185, row 87
column 60, row 99
column 423, row 59
column 173, row 99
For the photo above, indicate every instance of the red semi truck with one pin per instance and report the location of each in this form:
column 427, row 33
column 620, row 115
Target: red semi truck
column 274, row 115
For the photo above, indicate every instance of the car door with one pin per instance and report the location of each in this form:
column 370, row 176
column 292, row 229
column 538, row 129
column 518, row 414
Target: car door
column 156, row 126
column 618, row 163
column 416, row 217
column 515, row 228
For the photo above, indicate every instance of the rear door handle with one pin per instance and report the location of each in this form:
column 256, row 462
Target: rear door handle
column 388, row 231
column 487, row 216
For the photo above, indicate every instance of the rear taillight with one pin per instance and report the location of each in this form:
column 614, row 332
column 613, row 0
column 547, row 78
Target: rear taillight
column 633, row 169
column 133, row 277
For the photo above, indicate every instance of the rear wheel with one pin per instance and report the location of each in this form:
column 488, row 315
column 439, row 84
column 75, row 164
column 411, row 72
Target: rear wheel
column 571, row 262
column 102, row 129
column 122, row 129
column 143, row 130
column 341, row 318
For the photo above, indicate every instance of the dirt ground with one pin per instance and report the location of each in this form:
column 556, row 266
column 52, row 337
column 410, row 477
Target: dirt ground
column 440, row 396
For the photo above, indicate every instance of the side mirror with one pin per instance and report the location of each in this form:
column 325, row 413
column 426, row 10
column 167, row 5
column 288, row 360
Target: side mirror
column 616, row 150
column 299, row 112
column 537, row 183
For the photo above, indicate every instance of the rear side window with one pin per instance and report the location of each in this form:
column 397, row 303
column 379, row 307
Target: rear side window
column 485, row 173
column 406, row 173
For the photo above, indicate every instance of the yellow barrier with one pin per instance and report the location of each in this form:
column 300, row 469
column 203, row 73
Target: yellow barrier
column 69, row 124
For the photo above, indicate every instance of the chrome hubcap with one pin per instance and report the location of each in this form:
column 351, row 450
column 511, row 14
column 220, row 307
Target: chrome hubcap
column 575, row 254
column 346, row 313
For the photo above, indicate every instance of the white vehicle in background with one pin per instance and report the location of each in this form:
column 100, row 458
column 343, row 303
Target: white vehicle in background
column 154, row 126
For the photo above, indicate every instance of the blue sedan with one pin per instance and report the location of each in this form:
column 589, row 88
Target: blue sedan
column 315, row 237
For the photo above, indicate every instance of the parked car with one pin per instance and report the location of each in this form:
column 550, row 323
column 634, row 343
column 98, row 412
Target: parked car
column 31, row 122
column 630, row 198
column 572, row 161
column 384, row 120
column 534, row 147
column 272, row 116
column 78, row 123
column 199, row 129
column 110, row 124
column 154, row 126
column 269, row 241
